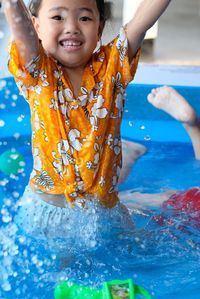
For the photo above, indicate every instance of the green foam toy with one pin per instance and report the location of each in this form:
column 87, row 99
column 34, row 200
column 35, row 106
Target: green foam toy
column 11, row 162
column 116, row 289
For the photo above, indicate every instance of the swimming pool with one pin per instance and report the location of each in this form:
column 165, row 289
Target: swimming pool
column 164, row 259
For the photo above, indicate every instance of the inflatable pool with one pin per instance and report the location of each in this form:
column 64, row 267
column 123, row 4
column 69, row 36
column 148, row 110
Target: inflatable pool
column 163, row 259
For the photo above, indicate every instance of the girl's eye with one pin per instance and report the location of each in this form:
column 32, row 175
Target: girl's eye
column 57, row 18
column 85, row 19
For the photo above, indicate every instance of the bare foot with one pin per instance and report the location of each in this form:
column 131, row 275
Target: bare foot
column 170, row 101
column 131, row 152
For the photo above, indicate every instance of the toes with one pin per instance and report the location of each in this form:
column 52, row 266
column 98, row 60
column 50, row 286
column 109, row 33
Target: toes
column 150, row 97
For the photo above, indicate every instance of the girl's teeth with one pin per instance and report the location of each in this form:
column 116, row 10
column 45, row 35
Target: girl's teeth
column 71, row 43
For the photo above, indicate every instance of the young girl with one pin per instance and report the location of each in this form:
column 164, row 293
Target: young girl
column 76, row 97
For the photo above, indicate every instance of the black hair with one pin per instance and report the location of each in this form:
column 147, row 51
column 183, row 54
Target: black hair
column 101, row 9
column 34, row 6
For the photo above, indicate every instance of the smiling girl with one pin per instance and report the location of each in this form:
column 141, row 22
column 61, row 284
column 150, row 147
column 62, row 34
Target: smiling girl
column 76, row 98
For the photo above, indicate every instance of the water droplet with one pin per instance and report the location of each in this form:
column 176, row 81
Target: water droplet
column 53, row 256
column 16, row 135
column 130, row 123
column 2, row 84
column 2, row 123
column 6, row 218
column 15, row 194
column 2, row 106
column 6, row 286
column 142, row 127
column 34, row 259
column 147, row 138
column 14, row 97
column 20, row 118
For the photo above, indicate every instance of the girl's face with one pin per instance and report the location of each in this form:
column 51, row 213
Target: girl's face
column 69, row 30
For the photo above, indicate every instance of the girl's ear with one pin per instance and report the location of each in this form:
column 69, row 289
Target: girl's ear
column 36, row 25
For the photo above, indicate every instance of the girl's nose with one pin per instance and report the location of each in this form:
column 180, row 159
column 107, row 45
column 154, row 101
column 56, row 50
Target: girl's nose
column 71, row 26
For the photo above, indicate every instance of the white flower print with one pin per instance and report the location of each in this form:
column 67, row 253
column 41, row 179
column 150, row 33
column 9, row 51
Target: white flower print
column 98, row 110
column 74, row 136
column 60, row 100
column 97, row 154
column 37, row 89
column 31, row 69
column 109, row 139
column 63, row 109
column 99, row 86
column 60, row 97
column 44, row 180
column 116, row 170
column 122, row 45
column 101, row 58
column 63, row 148
column 63, row 159
column 117, row 82
column 84, row 97
column 42, row 75
column 117, row 146
column 119, row 103
column 58, row 168
column 54, row 104
column 80, row 186
column 77, row 170
column 23, row 89
column 33, row 134
column 45, row 136
column 45, row 83
column 102, row 181
column 94, row 164
column 68, row 94
column 37, row 161
column 74, row 194
column 89, row 165
column 21, row 73
column 56, row 74
column 38, row 123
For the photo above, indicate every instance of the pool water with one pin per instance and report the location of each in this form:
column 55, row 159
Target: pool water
column 165, row 166
column 163, row 258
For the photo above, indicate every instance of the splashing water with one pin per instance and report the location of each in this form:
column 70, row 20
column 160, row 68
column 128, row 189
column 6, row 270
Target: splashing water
column 154, row 254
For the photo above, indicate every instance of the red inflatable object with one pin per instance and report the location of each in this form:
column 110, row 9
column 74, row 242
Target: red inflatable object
column 186, row 201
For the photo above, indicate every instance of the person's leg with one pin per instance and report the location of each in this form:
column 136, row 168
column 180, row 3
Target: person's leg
column 138, row 200
column 170, row 101
column 131, row 151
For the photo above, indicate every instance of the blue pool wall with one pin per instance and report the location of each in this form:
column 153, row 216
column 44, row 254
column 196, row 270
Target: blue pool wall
column 141, row 120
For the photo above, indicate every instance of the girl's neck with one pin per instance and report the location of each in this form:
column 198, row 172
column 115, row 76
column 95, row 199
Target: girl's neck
column 75, row 77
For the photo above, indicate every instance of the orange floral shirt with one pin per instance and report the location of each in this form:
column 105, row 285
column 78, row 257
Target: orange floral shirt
column 76, row 142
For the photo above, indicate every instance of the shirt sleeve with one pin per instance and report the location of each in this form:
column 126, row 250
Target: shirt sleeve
column 26, row 73
column 119, row 60
column 28, row 77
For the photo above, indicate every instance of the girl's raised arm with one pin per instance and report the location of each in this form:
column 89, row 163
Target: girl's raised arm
column 146, row 15
column 22, row 29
